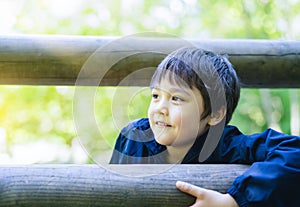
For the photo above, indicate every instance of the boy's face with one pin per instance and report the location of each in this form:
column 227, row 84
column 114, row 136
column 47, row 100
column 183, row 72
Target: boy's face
column 175, row 114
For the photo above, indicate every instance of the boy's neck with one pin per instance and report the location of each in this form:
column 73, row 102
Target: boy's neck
column 176, row 154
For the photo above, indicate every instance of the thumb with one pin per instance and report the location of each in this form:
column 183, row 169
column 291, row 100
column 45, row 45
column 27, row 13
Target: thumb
column 190, row 189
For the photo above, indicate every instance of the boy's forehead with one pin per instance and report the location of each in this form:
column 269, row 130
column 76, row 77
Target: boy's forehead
column 173, row 80
column 168, row 86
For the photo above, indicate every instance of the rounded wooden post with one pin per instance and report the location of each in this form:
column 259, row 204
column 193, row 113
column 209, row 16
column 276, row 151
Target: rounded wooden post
column 57, row 60
column 109, row 186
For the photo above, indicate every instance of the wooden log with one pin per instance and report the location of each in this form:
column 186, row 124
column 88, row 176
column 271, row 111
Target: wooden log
column 59, row 60
column 108, row 186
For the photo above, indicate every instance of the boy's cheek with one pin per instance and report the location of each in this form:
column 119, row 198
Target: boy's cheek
column 149, row 111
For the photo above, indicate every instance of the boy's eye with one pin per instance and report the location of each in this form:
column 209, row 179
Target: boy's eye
column 155, row 96
column 177, row 99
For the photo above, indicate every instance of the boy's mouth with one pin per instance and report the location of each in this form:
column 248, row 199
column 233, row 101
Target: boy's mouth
column 162, row 124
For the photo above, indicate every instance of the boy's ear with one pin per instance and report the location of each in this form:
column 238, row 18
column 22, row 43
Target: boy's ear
column 217, row 117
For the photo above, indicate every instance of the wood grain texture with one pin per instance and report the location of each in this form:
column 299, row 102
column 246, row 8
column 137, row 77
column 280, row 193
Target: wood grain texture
column 59, row 60
column 109, row 186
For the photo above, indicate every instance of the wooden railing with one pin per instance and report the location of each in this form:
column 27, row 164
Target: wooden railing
column 58, row 60
column 109, row 186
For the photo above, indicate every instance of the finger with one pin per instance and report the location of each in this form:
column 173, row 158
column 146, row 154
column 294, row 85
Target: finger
column 190, row 189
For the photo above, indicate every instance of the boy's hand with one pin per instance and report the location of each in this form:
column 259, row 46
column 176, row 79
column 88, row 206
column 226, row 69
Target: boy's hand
column 206, row 197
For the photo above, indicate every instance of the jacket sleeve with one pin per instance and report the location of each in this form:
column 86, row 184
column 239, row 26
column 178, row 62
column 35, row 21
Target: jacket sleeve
column 127, row 150
column 136, row 145
column 117, row 155
column 126, row 146
column 273, row 180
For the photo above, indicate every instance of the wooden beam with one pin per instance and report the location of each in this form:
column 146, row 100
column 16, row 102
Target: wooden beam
column 59, row 60
column 109, row 186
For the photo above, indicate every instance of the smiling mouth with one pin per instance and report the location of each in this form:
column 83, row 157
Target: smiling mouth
column 162, row 124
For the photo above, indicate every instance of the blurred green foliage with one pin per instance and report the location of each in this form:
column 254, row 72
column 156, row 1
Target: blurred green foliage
column 36, row 123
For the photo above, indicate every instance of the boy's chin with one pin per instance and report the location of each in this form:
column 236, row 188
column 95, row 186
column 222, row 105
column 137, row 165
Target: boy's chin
column 169, row 142
column 163, row 141
column 178, row 143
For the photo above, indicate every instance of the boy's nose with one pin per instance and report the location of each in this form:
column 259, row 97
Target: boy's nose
column 164, row 111
column 162, row 108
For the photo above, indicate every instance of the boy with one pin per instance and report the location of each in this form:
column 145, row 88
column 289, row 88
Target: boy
column 194, row 93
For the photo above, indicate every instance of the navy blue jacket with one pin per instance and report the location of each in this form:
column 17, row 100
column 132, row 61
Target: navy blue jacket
column 272, row 180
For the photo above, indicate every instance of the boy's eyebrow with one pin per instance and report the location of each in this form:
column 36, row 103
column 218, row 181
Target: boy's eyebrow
column 174, row 90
